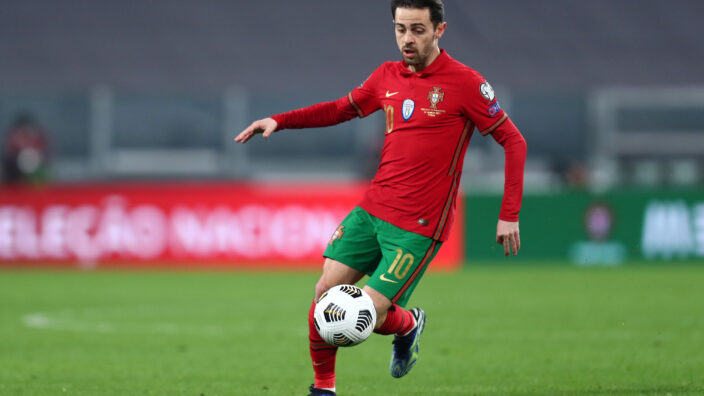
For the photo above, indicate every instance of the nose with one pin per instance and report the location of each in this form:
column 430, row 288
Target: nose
column 408, row 38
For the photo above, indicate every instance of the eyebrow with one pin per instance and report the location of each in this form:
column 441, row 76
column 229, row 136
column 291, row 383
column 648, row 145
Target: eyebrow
column 412, row 25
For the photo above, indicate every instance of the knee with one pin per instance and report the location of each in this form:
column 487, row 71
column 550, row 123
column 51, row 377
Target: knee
column 381, row 311
column 321, row 287
column 381, row 304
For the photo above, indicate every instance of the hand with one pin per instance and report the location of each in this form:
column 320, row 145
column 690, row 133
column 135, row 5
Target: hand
column 507, row 234
column 265, row 126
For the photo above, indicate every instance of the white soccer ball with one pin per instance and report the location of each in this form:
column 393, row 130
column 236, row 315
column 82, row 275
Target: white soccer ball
column 344, row 315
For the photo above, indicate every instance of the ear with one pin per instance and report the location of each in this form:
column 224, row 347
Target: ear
column 440, row 30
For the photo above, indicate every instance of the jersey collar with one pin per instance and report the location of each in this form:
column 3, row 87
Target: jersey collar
column 432, row 68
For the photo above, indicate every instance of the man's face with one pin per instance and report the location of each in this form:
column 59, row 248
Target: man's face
column 415, row 35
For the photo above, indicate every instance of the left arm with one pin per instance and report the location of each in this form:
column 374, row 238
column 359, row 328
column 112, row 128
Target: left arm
column 482, row 107
column 507, row 232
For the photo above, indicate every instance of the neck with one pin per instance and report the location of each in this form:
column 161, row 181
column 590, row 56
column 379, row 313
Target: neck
column 431, row 58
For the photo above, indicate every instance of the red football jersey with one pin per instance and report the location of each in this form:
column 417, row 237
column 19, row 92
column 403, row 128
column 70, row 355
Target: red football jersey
column 430, row 117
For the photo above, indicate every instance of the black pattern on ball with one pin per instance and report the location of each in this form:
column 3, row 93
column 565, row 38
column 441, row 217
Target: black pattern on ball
column 353, row 291
column 334, row 313
column 364, row 319
column 341, row 340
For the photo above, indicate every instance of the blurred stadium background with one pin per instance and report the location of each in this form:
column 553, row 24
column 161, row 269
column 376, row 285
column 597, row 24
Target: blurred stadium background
column 610, row 97
column 117, row 121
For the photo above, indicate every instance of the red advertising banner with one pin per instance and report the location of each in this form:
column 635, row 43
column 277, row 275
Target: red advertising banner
column 182, row 225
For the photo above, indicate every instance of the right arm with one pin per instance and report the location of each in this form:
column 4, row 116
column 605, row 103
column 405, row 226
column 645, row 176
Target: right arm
column 361, row 102
column 315, row 116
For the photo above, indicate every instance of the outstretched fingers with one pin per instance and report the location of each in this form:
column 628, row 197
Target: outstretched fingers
column 248, row 133
column 512, row 242
column 507, row 246
column 266, row 127
column 508, row 235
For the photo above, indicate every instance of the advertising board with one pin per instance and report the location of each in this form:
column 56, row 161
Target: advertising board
column 662, row 225
column 181, row 225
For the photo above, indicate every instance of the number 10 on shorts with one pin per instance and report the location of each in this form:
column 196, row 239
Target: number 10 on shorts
column 401, row 265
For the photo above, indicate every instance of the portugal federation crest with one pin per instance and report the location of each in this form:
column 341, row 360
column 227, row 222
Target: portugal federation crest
column 435, row 96
column 336, row 235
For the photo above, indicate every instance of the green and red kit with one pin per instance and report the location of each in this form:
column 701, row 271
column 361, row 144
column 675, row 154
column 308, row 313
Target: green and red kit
column 430, row 118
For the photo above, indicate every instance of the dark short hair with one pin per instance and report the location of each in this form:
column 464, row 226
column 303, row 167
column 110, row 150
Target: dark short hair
column 437, row 8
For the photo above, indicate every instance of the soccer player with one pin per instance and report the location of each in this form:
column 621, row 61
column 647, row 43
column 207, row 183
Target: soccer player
column 432, row 103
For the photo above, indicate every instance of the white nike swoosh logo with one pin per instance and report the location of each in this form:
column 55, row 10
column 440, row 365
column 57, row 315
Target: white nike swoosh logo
column 388, row 94
column 383, row 277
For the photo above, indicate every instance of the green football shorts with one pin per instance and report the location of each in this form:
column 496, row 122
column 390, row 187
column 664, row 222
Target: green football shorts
column 394, row 259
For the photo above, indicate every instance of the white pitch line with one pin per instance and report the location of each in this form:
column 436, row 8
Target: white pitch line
column 66, row 322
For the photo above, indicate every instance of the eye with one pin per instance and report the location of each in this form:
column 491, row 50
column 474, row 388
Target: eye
column 419, row 31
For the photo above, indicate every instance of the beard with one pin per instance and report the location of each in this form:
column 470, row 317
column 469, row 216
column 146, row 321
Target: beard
column 412, row 61
column 415, row 59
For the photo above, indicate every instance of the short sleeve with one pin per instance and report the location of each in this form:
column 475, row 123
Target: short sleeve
column 365, row 99
column 482, row 107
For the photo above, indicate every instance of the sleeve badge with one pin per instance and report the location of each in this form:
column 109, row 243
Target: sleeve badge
column 487, row 91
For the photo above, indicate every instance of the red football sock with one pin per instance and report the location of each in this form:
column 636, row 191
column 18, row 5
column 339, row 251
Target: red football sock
column 398, row 321
column 322, row 354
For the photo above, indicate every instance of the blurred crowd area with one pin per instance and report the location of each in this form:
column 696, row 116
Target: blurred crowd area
column 607, row 93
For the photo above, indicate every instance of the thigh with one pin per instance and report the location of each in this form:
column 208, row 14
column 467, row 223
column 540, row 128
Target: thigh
column 353, row 251
column 405, row 257
column 336, row 273
column 355, row 243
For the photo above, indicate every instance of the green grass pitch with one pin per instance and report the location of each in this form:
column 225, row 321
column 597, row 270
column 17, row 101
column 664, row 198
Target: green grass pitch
column 492, row 330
